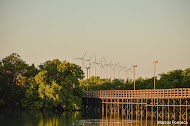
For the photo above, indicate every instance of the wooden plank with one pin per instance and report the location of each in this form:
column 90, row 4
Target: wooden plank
column 167, row 105
column 122, row 103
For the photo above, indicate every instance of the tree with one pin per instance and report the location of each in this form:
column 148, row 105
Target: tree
column 185, row 82
column 56, row 86
column 171, row 80
column 11, row 68
column 15, row 75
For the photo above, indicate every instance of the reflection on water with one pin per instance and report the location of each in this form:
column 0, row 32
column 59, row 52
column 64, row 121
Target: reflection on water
column 103, row 122
column 37, row 118
column 110, row 122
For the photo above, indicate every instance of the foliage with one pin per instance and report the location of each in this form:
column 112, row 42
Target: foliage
column 13, row 72
column 171, row 79
column 56, row 86
column 93, row 81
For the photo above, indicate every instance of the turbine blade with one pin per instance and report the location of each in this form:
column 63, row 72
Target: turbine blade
column 84, row 55
column 91, row 56
column 83, row 64
column 102, row 59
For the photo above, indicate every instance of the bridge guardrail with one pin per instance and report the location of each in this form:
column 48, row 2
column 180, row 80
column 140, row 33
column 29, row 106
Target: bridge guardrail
column 139, row 94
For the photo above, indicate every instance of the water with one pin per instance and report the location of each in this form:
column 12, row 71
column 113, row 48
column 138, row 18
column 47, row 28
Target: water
column 38, row 118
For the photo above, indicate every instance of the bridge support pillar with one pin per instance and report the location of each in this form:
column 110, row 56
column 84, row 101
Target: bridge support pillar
column 102, row 107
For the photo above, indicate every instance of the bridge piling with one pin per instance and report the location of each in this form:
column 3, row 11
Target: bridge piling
column 159, row 104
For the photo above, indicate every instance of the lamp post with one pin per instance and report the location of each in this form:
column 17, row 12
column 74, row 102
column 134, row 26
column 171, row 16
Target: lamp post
column 134, row 74
column 87, row 78
column 154, row 71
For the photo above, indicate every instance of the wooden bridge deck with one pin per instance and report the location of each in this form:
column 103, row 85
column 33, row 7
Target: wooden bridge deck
column 140, row 94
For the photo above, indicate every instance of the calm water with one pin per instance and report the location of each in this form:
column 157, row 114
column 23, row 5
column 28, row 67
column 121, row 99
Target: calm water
column 37, row 118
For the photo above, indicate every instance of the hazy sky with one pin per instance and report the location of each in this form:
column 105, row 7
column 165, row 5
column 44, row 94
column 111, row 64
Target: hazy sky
column 126, row 31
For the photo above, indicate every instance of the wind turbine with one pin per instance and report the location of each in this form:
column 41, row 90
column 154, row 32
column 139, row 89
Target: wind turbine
column 114, row 65
column 121, row 70
column 101, row 66
column 126, row 70
column 105, row 68
column 117, row 68
column 82, row 59
column 89, row 65
column 95, row 65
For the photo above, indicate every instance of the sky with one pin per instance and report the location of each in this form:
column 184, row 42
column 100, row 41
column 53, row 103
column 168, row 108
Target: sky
column 124, row 31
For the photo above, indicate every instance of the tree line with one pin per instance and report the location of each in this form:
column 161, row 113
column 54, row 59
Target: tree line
column 171, row 79
column 59, row 85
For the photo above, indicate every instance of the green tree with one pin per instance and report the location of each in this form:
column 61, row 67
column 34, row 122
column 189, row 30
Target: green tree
column 12, row 79
column 56, row 86
column 171, row 80
column 185, row 82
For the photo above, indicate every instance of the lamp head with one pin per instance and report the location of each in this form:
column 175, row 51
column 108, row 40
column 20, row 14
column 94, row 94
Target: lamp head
column 155, row 61
column 134, row 65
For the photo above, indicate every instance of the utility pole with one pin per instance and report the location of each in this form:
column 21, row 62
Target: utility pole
column 134, row 74
column 154, row 71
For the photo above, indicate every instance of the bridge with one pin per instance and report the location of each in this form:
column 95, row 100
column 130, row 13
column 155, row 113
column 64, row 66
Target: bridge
column 163, row 104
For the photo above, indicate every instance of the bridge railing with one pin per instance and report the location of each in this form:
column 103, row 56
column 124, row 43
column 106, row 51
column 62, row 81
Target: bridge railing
column 139, row 94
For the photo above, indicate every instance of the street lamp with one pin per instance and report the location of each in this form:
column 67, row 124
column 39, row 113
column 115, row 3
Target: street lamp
column 154, row 71
column 87, row 78
column 134, row 74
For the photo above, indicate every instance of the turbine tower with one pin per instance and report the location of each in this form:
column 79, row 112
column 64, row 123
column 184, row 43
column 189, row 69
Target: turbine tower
column 89, row 65
column 95, row 67
column 125, row 70
column 114, row 65
column 101, row 66
column 105, row 68
column 121, row 70
column 110, row 69
column 118, row 70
